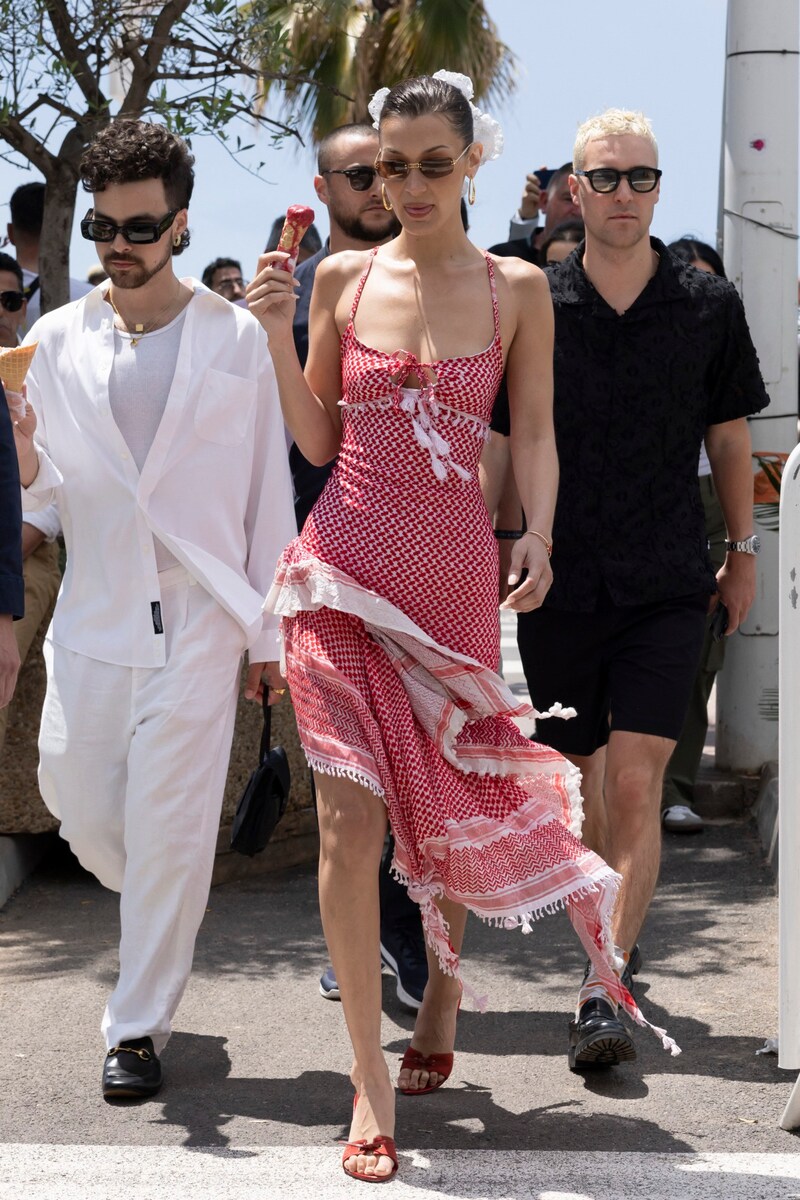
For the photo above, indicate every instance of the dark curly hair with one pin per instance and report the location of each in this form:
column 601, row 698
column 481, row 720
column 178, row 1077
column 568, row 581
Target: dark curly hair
column 423, row 95
column 127, row 151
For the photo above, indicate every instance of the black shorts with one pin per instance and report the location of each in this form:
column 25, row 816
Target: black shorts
column 626, row 668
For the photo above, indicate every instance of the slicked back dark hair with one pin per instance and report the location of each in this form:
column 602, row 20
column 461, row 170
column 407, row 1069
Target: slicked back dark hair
column 27, row 208
column 7, row 263
column 689, row 249
column 424, row 95
column 128, row 151
column 331, row 140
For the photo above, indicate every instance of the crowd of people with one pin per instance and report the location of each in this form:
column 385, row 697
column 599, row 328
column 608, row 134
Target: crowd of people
column 466, row 431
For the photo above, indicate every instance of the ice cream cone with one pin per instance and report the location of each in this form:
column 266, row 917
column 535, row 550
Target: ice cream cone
column 14, row 365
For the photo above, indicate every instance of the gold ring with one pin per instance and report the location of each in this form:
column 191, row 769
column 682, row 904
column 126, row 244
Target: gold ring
column 279, row 691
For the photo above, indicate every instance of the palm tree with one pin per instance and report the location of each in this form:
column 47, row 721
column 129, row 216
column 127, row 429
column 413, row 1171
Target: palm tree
column 353, row 47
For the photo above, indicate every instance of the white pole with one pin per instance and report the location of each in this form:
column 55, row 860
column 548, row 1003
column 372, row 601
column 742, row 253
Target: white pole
column 760, row 249
column 789, row 781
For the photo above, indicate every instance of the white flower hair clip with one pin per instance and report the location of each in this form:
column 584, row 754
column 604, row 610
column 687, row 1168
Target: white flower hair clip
column 486, row 129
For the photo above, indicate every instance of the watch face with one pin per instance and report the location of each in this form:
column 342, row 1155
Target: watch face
column 755, row 544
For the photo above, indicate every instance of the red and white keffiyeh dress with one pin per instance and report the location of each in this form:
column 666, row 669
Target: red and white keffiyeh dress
column 391, row 641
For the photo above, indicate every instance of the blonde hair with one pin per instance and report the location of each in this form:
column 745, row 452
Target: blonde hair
column 614, row 122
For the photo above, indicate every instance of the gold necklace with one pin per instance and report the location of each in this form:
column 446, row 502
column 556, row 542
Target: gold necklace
column 140, row 329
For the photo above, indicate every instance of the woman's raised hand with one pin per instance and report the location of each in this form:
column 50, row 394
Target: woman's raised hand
column 272, row 295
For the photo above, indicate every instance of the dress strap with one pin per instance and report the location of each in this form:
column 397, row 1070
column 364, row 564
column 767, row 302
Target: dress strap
column 361, row 283
column 493, row 287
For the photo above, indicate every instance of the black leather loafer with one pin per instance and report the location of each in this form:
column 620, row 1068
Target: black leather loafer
column 131, row 1070
column 598, row 1038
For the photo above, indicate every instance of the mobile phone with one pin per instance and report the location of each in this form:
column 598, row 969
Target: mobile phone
column 719, row 622
column 544, row 176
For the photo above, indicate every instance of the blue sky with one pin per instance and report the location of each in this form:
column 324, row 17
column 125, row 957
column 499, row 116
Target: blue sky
column 667, row 60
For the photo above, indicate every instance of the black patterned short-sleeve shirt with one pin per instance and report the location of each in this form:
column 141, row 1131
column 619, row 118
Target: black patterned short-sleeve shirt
column 634, row 395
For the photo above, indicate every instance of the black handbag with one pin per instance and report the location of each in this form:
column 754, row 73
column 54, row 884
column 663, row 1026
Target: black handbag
column 266, row 795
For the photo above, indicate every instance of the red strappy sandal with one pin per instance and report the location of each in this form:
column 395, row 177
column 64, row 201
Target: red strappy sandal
column 381, row 1146
column 442, row 1064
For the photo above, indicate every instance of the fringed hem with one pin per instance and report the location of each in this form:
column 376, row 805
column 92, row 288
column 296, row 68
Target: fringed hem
column 338, row 771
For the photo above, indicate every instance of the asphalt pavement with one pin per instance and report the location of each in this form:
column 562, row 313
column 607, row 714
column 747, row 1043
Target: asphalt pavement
column 256, row 1094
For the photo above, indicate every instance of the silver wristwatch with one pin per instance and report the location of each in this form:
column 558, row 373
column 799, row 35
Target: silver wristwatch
column 750, row 545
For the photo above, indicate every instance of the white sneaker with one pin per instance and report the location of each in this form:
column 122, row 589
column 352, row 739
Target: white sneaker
column 679, row 818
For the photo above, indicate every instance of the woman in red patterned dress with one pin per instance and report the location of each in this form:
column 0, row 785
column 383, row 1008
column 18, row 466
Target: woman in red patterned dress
column 389, row 596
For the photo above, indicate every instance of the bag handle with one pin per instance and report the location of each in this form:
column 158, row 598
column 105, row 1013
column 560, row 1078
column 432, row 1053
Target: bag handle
column 266, row 732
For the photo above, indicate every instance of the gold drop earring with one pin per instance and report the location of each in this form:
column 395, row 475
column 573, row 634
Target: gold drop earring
column 385, row 198
column 471, row 190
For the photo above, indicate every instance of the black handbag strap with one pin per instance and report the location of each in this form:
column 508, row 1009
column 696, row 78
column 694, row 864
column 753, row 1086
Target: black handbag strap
column 266, row 732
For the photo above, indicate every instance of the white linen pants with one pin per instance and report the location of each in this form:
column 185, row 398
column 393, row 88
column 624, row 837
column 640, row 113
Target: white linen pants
column 133, row 761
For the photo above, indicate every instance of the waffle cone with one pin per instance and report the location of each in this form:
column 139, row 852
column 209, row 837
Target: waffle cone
column 14, row 365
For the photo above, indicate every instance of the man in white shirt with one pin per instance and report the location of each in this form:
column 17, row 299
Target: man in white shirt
column 161, row 439
column 24, row 233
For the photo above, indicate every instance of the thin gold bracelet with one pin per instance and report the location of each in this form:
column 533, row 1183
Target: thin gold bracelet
column 548, row 545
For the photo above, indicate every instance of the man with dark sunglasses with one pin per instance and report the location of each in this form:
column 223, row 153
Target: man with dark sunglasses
column 350, row 188
column 651, row 356
column 161, row 439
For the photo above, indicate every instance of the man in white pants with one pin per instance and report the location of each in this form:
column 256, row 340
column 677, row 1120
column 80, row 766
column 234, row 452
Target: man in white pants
column 161, row 440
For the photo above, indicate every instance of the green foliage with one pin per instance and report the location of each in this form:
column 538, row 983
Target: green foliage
column 353, row 47
column 70, row 65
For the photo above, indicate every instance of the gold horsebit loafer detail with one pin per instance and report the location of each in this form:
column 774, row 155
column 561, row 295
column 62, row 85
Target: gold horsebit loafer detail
column 144, row 1055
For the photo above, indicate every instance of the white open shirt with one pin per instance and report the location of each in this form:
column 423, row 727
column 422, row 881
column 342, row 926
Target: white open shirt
column 215, row 487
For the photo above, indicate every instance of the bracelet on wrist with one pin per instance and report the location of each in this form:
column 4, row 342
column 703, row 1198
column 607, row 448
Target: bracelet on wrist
column 508, row 534
column 548, row 545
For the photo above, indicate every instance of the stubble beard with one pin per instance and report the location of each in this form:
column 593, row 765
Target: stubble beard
column 136, row 276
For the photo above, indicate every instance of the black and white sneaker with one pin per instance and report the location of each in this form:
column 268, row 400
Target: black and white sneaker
column 403, row 952
column 328, row 987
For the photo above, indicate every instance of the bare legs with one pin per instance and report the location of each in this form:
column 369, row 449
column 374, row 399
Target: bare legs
column 622, row 793
column 435, row 1026
column 352, row 825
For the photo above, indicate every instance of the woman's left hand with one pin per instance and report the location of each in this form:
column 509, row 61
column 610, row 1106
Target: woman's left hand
column 529, row 553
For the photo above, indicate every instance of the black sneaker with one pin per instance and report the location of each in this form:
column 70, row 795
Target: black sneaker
column 403, row 952
column 598, row 1038
column 328, row 987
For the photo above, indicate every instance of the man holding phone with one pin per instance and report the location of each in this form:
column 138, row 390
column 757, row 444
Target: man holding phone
column 546, row 191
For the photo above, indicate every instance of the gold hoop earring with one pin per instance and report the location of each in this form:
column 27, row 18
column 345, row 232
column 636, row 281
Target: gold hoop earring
column 385, row 198
column 471, row 190
column 176, row 241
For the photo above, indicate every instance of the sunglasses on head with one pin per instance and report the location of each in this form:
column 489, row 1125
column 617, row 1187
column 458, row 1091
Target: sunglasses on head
column 430, row 168
column 12, row 301
column 136, row 233
column 608, row 179
column 359, row 178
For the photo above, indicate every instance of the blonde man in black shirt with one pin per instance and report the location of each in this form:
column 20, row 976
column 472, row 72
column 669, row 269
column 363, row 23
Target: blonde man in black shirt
column 651, row 356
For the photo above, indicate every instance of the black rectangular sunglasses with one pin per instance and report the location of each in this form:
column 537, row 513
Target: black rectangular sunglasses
column 137, row 233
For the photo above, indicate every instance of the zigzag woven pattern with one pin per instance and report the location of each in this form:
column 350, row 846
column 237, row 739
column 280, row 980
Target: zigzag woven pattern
column 391, row 638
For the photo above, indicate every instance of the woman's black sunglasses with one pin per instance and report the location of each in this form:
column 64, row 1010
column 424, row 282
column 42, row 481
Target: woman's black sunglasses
column 12, row 301
column 359, row 178
column 137, row 233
